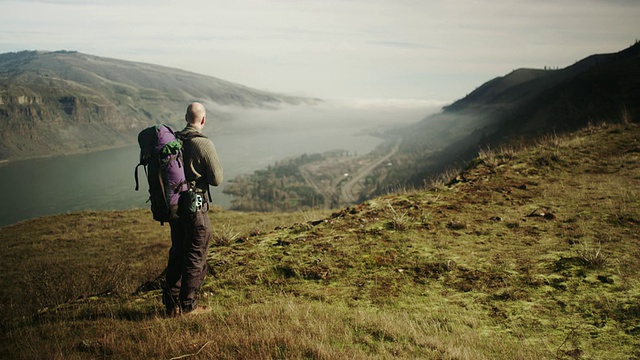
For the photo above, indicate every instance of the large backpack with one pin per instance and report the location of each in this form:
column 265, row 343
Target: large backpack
column 161, row 157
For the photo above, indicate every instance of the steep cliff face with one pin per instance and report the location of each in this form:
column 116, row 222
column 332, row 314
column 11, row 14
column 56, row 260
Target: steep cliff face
column 38, row 125
column 58, row 102
column 43, row 126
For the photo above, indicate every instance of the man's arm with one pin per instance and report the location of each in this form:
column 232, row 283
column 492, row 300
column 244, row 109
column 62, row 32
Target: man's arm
column 211, row 169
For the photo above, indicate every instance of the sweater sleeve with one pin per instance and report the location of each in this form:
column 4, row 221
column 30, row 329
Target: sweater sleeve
column 208, row 163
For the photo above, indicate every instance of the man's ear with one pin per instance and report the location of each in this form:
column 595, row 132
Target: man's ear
column 202, row 121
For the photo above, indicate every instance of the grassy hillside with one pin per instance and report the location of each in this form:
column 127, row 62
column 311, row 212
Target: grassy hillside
column 530, row 253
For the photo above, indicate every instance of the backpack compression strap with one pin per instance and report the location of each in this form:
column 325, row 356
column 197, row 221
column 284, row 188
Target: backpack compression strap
column 135, row 174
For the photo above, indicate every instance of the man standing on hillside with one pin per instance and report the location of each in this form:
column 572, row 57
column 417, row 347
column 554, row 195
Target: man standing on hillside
column 187, row 265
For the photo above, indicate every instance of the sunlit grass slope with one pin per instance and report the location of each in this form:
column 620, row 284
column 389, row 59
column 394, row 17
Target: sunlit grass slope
column 532, row 252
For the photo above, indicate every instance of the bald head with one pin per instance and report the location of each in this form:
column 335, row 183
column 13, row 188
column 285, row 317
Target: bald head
column 196, row 115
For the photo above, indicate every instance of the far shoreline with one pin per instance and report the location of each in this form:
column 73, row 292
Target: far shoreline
column 4, row 162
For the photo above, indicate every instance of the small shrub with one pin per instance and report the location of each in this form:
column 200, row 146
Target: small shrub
column 625, row 116
column 551, row 140
column 622, row 208
column 224, row 235
column 512, row 224
column 592, row 257
column 398, row 219
column 440, row 180
column 488, row 156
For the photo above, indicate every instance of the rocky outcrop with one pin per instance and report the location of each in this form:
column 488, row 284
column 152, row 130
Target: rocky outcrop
column 33, row 126
column 20, row 100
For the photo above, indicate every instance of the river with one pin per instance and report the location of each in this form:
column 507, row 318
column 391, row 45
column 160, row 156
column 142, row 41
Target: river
column 103, row 180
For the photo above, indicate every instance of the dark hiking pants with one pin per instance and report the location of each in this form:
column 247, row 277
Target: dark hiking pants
column 187, row 265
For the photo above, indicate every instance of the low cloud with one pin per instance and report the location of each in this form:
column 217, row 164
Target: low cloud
column 365, row 115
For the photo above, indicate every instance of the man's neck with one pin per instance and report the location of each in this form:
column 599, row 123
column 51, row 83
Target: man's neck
column 193, row 127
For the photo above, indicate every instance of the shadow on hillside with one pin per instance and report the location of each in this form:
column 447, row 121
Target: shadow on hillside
column 102, row 308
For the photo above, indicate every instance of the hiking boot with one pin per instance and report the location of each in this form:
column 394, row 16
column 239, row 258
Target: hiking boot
column 200, row 310
column 174, row 312
column 171, row 304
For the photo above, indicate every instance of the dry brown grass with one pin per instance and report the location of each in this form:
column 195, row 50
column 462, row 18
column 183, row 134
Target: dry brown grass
column 534, row 258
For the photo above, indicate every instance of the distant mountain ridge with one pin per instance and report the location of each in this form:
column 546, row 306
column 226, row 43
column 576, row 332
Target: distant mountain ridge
column 522, row 104
column 66, row 101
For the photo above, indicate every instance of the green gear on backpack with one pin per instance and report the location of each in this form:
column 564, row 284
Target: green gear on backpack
column 188, row 204
column 171, row 148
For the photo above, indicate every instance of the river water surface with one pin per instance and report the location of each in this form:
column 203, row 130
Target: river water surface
column 103, row 180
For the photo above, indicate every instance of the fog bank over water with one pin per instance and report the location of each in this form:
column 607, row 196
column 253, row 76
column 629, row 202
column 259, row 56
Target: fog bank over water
column 364, row 115
column 252, row 139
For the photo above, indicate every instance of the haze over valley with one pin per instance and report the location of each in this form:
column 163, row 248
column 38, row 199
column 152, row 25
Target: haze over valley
column 98, row 104
column 101, row 103
column 518, row 107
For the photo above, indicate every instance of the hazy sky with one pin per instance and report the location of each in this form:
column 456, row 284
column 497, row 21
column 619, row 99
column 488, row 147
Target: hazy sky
column 347, row 49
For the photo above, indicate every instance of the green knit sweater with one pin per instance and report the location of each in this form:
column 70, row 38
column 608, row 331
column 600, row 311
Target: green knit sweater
column 202, row 165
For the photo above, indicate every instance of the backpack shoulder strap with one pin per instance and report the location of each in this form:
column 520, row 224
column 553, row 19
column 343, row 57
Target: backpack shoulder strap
column 187, row 136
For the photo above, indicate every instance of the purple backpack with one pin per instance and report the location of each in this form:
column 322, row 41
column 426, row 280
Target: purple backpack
column 161, row 157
